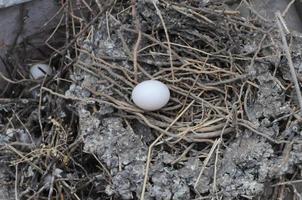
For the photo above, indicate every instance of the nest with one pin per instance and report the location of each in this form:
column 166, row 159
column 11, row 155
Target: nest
column 228, row 76
column 206, row 56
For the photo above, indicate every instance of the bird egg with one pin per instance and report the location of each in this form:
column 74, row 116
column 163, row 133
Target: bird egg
column 151, row 95
column 40, row 70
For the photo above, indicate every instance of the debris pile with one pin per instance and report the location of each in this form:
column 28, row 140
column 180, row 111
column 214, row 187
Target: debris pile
column 232, row 128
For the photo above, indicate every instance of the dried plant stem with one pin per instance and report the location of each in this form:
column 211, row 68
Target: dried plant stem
column 289, row 59
column 151, row 148
column 139, row 37
column 167, row 37
column 216, row 143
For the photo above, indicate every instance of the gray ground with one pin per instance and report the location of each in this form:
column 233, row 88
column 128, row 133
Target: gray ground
column 246, row 164
column 244, row 167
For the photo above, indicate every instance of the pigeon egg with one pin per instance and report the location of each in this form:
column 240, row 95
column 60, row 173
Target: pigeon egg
column 40, row 70
column 151, row 95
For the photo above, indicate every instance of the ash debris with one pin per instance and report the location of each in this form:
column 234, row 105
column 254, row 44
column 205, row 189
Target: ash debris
column 170, row 182
column 6, row 191
column 118, row 147
column 223, row 73
column 269, row 103
column 124, row 154
column 244, row 165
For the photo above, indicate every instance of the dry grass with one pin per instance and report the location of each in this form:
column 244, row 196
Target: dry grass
column 206, row 73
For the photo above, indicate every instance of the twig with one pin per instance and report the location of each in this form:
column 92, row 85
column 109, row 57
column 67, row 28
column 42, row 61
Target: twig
column 102, row 165
column 16, row 183
column 288, row 7
column 39, row 110
column 151, row 148
column 282, row 21
column 14, row 82
column 289, row 59
column 297, row 193
column 167, row 37
column 216, row 143
column 254, row 11
column 26, row 129
column 183, row 154
column 287, row 183
column 19, row 101
column 215, row 171
column 107, row 6
column 247, row 125
column 139, row 37
column 23, row 157
column 51, row 188
column 213, row 134
column 148, row 165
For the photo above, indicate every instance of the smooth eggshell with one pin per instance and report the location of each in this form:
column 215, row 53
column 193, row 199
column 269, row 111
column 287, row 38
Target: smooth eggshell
column 38, row 71
column 151, row 95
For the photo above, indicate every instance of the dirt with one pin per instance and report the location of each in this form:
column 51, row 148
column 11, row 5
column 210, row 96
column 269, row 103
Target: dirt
column 232, row 129
column 245, row 166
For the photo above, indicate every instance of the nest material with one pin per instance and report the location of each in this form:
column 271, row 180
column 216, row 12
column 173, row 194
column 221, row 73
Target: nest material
column 222, row 71
column 208, row 57
column 228, row 77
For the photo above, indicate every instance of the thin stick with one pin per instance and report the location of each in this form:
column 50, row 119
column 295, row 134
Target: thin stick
column 217, row 141
column 93, row 21
column 287, row 183
column 148, row 165
column 16, row 183
column 102, row 165
column 24, row 158
column 151, row 147
column 39, row 110
column 246, row 124
column 139, row 37
column 289, row 59
column 215, row 171
column 288, row 7
column 254, row 11
column 183, row 154
column 25, row 128
column 167, row 36
column 51, row 189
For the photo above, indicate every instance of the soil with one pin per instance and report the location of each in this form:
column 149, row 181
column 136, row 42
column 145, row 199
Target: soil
column 232, row 128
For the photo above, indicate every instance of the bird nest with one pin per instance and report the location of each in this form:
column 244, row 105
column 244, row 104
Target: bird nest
column 208, row 56
column 228, row 76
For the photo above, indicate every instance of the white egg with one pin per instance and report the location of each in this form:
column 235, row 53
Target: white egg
column 39, row 70
column 151, row 95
